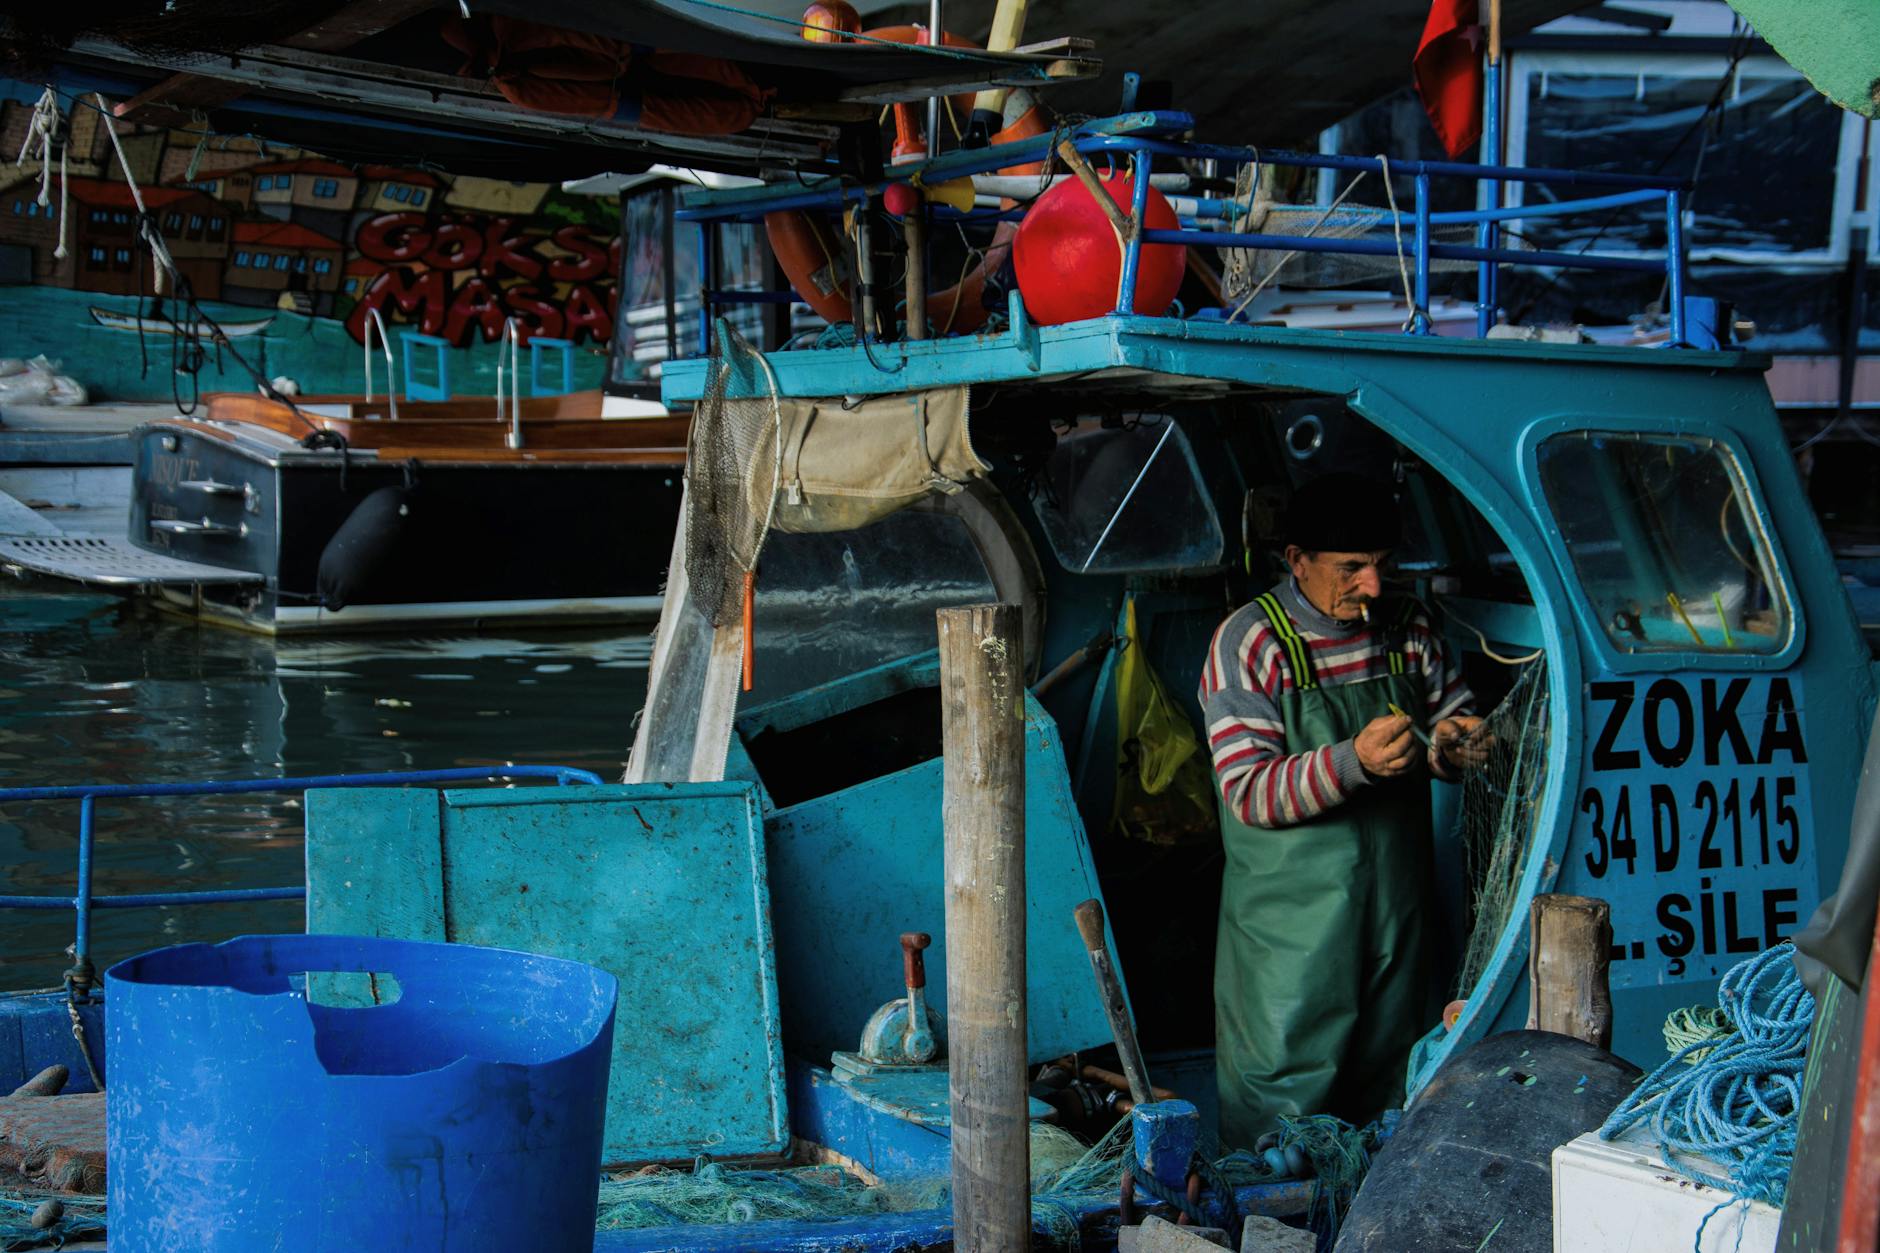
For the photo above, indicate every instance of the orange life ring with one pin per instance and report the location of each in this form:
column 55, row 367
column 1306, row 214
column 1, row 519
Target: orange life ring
column 815, row 260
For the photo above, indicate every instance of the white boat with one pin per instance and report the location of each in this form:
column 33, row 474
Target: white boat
column 153, row 326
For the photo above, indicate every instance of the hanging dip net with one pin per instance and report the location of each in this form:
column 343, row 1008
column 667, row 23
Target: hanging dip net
column 733, row 463
column 1499, row 813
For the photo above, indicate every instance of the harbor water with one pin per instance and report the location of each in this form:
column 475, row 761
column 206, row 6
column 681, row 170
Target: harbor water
column 95, row 690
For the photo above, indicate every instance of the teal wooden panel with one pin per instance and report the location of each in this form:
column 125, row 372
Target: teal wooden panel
column 662, row 885
column 850, row 871
column 383, row 877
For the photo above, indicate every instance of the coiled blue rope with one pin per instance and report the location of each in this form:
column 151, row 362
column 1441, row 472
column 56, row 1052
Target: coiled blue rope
column 1738, row 1105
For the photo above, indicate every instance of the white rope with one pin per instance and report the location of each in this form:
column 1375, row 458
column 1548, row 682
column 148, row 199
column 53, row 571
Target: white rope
column 37, row 144
column 161, row 261
column 1403, row 271
column 1273, row 273
column 1488, row 652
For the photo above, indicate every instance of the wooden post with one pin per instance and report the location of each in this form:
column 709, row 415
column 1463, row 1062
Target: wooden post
column 982, row 696
column 1569, row 964
column 914, row 231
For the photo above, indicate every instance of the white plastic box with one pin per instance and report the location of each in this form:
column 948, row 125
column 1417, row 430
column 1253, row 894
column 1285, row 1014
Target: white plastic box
column 1618, row 1196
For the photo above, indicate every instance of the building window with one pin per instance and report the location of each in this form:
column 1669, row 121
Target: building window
column 323, row 266
column 283, row 182
column 265, row 182
column 99, row 217
column 19, row 206
column 218, row 227
column 417, row 197
column 195, row 224
column 300, row 265
column 241, row 260
column 401, row 193
column 32, row 210
column 121, row 259
column 122, row 219
column 95, row 259
column 280, row 261
column 326, row 188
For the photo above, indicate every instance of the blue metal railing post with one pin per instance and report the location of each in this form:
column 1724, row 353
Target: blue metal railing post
column 81, row 946
column 1420, row 316
column 1488, row 234
column 1138, row 215
column 705, row 289
column 1674, row 263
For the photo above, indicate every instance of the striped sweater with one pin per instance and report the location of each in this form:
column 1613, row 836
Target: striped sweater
column 1247, row 672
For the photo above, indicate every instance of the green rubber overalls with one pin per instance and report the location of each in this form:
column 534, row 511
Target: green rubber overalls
column 1321, row 977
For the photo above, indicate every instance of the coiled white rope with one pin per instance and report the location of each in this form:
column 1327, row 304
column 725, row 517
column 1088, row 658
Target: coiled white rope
column 42, row 129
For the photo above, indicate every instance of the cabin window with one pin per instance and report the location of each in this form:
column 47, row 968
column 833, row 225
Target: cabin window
column 326, row 188
column 281, row 261
column 417, row 198
column 1666, row 542
column 1124, row 494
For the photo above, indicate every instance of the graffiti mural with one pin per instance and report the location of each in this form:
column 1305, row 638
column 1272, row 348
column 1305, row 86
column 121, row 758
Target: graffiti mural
column 290, row 252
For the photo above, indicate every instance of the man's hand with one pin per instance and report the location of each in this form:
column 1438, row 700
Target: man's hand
column 1385, row 747
column 1455, row 743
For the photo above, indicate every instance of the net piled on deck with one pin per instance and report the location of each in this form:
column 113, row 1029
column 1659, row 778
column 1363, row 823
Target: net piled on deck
column 732, row 468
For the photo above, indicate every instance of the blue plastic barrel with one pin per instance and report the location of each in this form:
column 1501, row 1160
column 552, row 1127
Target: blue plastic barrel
column 464, row 1114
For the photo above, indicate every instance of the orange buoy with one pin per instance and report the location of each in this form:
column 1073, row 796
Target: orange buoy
column 1069, row 261
column 829, row 21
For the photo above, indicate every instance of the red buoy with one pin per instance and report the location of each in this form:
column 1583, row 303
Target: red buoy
column 1069, row 262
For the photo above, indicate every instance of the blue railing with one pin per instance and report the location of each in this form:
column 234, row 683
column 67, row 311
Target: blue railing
column 87, row 795
column 1142, row 137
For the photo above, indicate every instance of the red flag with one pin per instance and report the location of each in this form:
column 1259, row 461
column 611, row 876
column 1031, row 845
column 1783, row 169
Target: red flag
column 1448, row 71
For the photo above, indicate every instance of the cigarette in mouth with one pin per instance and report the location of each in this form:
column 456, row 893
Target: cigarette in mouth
column 1364, row 611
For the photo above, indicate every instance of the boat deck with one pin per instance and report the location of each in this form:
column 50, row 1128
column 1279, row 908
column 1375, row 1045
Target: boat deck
column 74, row 435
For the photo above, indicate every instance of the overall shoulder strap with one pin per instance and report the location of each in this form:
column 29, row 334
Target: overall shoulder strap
column 1397, row 637
column 1298, row 655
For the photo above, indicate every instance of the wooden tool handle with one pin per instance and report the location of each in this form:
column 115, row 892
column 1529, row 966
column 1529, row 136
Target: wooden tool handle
column 913, row 965
column 1090, row 924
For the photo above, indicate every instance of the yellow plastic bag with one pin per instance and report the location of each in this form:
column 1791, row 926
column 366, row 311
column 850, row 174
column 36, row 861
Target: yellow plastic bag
column 1164, row 781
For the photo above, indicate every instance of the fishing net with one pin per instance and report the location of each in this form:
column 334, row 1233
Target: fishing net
column 711, row 1192
column 1500, row 810
column 732, row 470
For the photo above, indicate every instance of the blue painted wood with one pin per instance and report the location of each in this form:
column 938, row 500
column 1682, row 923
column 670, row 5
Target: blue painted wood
column 662, row 885
column 825, row 1111
column 849, row 872
column 438, row 387
column 36, row 1032
column 1164, row 1135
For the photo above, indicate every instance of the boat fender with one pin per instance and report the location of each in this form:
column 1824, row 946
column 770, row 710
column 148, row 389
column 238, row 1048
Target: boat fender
column 361, row 544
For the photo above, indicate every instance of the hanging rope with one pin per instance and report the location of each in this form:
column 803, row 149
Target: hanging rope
column 1396, row 231
column 42, row 129
column 1739, row 1105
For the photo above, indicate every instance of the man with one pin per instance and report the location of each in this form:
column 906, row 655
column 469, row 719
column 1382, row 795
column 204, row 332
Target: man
column 1322, row 979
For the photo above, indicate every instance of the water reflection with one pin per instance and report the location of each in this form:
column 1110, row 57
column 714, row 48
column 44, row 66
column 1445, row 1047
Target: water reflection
column 94, row 691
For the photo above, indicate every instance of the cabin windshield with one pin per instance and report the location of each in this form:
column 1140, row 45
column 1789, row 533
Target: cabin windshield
column 1123, row 494
column 1666, row 542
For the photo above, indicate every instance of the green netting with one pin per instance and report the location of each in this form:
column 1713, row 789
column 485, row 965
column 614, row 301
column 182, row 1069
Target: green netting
column 1500, row 808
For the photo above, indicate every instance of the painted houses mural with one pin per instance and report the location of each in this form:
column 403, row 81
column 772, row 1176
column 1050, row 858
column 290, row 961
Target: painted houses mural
column 290, row 252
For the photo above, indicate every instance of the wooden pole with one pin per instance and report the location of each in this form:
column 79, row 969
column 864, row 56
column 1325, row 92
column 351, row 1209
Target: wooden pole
column 914, row 230
column 1569, row 968
column 982, row 696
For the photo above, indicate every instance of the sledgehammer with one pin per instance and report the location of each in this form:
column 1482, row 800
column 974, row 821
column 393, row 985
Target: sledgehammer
column 1090, row 925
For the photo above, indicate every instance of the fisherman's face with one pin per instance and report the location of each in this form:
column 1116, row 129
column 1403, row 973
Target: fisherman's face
column 1339, row 585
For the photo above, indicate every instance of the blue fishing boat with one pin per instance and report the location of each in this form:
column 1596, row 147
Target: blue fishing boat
column 1610, row 538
